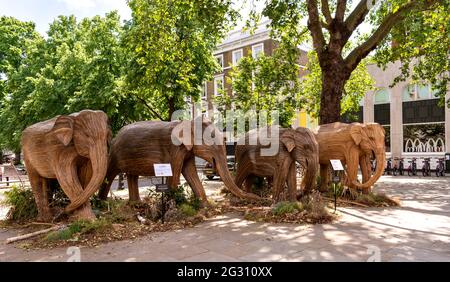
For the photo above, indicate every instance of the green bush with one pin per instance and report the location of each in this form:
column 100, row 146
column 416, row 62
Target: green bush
column 77, row 227
column 22, row 201
column 188, row 210
column 181, row 196
column 283, row 208
column 64, row 234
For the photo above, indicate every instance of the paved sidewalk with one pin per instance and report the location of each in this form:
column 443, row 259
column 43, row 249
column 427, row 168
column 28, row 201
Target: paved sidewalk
column 417, row 231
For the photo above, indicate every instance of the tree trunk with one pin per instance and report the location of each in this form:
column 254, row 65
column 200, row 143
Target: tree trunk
column 333, row 81
column 171, row 107
column 17, row 157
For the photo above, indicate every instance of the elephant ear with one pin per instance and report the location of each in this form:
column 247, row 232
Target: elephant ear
column 288, row 141
column 181, row 134
column 63, row 129
column 356, row 132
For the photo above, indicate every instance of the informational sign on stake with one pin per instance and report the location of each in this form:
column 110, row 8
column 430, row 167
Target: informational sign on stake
column 162, row 169
column 337, row 165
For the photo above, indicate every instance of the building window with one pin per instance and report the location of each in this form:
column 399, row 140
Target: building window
column 381, row 96
column 236, row 56
column 424, row 138
column 387, row 137
column 218, row 85
column 257, row 50
column 219, row 59
column 204, row 91
column 414, row 92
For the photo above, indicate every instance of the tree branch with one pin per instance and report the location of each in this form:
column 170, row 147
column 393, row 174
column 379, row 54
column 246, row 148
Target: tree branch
column 314, row 25
column 340, row 9
column 149, row 107
column 326, row 11
column 383, row 30
column 357, row 16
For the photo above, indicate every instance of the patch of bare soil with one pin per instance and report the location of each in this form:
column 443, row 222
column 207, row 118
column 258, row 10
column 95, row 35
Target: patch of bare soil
column 116, row 220
column 309, row 210
column 349, row 198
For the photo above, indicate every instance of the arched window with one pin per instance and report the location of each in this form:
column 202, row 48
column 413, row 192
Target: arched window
column 381, row 96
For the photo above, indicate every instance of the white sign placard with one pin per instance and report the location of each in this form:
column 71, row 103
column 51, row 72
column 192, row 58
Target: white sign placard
column 162, row 169
column 337, row 165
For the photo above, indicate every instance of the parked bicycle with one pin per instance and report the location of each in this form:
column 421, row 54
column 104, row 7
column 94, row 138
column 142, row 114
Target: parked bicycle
column 388, row 170
column 440, row 168
column 401, row 167
column 426, row 169
column 398, row 168
column 412, row 169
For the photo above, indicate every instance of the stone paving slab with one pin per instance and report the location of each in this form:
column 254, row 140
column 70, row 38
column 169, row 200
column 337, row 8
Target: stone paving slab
column 419, row 230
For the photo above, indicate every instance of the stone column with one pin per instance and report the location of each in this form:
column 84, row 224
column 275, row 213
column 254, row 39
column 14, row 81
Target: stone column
column 368, row 107
column 396, row 120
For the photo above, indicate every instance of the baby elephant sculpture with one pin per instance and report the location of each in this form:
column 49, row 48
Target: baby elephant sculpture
column 140, row 145
column 295, row 145
column 72, row 149
column 353, row 144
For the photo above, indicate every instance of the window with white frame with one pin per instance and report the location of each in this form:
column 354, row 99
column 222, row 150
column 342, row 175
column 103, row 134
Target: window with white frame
column 418, row 91
column 236, row 56
column 204, row 91
column 258, row 50
column 218, row 85
column 381, row 96
column 219, row 59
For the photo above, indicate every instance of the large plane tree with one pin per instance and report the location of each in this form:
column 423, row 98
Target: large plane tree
column 417, row 32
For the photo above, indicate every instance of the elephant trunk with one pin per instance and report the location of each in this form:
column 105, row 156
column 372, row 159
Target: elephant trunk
column 99, row 162
column 222, row 169
column 309, row 179
column 381, row 159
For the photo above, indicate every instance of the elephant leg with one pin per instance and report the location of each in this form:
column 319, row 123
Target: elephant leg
column 292, row 182
column 40, row 192
column 364, row 163
column 190, row 174
column 366, row 170
column 248, row 183
column 324, row 177
column 352, row 168
column 280, row 179
column 133, row 188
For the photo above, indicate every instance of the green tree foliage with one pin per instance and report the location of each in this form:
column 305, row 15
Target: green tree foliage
column 170, row 43
column 420, row 28
column 359, row 83
column 422, row 44
column 14, row 35
column 264, row 83
column 269, row 83
column 78, row 66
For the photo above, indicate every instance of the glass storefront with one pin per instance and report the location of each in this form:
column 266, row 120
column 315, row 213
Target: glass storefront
column 424, row 138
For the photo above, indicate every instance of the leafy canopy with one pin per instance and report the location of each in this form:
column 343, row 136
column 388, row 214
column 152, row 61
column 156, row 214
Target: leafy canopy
column 170, row 43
